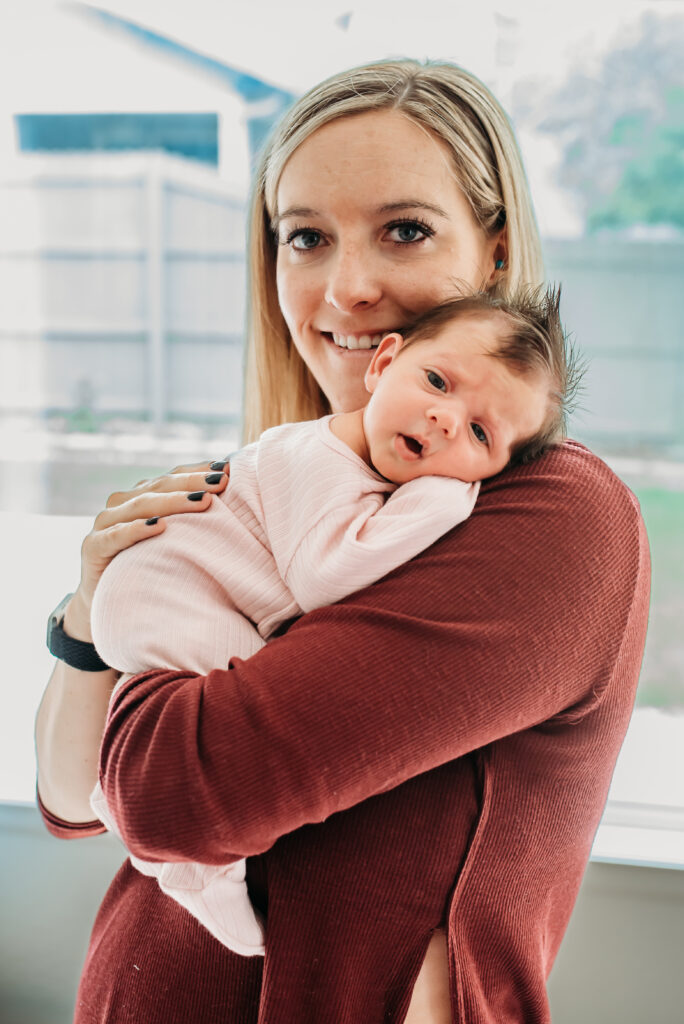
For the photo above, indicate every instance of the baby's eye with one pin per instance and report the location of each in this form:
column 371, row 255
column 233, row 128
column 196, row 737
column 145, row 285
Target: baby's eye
column 303, row 239
column 479, row 433
column 436, row 380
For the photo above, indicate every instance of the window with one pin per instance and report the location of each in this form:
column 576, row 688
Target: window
column 123, row 279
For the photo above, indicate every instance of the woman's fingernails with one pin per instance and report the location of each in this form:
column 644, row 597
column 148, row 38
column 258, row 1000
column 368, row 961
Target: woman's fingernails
column 152, row 521
column 213, row 478
column 218, row 465
column 196, row 495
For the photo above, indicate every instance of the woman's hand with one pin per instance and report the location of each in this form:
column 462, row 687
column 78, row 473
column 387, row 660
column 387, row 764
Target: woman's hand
column 134, row 515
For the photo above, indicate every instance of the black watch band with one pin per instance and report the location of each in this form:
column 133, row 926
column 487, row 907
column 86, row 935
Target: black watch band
column 77, row 653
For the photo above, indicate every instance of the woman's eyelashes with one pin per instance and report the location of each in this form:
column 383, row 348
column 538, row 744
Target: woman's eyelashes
column 406, row 226
column 407, row 232
column 303, row 239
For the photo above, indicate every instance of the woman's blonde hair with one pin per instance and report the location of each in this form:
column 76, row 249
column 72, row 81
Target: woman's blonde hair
column 455, row 107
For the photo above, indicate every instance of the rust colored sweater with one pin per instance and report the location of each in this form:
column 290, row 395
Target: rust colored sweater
column 435, row 749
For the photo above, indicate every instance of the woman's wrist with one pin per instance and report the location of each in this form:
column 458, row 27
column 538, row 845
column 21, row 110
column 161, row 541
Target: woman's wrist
column 77, row 619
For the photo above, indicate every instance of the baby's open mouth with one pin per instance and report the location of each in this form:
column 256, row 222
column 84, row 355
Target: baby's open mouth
column 412, row 444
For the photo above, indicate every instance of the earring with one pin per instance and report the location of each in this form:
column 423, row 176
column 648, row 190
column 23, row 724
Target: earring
column 499, row 265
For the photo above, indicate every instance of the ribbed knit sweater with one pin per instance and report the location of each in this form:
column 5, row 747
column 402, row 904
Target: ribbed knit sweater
column 434, row 749
column 303, row 522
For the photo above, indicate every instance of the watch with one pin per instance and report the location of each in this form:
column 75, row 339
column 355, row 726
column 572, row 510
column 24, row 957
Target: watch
column 77, row 653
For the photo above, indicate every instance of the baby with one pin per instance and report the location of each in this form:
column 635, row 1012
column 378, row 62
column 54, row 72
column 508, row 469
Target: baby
column 316, row 510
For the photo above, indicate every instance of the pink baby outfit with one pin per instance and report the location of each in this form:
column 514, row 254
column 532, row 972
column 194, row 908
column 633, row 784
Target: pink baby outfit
column 303, row 523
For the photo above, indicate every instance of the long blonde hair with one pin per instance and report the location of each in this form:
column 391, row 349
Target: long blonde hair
column 454, row 106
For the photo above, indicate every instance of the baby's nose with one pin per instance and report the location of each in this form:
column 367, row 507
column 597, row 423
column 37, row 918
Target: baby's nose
column 447, row 420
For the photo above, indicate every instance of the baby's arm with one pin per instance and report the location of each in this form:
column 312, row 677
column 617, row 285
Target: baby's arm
column 352, row 545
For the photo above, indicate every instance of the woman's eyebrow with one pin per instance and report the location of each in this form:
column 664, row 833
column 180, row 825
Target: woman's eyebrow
column 412, row 204
column 293, row 211
column 400, row 204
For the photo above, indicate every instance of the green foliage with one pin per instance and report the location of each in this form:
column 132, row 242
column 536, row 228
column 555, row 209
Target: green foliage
column 662, row 674
column 621, row 129
column 651, row 189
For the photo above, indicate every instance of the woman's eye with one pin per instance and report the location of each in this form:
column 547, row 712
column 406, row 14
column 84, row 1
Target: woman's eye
column 479, row 433
column 407, row 231
column 303, row 239
column 436, row 380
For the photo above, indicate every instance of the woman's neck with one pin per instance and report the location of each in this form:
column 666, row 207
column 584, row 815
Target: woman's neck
column 348, row 427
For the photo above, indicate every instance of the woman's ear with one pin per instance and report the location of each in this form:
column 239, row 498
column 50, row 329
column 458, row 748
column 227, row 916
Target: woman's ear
column 498, row 257
column 382, row 358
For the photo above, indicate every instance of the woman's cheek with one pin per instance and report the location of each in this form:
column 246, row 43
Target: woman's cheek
column 295, row 299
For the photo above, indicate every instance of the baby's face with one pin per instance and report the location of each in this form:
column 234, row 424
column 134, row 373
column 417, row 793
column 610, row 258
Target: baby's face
column 444, row 407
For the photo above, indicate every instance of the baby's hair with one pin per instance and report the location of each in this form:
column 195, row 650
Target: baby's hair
column 530, row 340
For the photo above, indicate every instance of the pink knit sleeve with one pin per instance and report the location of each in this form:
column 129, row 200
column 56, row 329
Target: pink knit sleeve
column 357, row 543
column 514, row 621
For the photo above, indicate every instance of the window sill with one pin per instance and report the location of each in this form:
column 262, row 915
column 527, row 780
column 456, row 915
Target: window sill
column 643, row 823
column 641, row 835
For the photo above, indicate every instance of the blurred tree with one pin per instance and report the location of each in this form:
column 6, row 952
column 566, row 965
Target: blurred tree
column 621, row 130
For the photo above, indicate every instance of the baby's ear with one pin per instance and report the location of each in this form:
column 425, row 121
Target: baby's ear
column 383, row 356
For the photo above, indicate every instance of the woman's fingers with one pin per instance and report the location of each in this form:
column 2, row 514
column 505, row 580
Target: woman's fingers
column 136, row 519
column 105, row 541
column 102, row 544
column 150, row 504
column 134, row 515
column 196, row 467
column 183, row 478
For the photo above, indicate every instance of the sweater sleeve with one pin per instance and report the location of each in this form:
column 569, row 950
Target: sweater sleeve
column 364, row 539
column 513, row 619
column 62, row 829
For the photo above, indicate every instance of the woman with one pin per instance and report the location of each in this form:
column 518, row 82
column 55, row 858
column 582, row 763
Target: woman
column 416, row 773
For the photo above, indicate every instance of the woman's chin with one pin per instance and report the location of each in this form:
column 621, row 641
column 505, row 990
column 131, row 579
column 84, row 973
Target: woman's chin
column 347, row 399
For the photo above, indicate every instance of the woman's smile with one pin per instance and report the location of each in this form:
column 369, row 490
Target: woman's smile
column 354, row 342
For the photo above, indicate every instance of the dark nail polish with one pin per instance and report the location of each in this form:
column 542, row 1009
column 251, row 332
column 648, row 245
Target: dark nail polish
column 196, row 495
column 218, row 465
column 152, row 521
column 213, row 478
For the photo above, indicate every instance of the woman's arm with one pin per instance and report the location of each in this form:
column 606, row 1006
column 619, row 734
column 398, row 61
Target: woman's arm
column 69, row 727
column 71, row 716
column 514, row 619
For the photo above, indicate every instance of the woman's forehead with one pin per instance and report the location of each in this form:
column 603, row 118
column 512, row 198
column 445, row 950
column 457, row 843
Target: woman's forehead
column 382, row 152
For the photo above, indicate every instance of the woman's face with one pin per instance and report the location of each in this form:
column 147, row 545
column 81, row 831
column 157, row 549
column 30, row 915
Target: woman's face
column 372, row 229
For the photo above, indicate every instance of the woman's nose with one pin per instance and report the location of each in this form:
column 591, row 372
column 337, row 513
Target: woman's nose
column 352, row 282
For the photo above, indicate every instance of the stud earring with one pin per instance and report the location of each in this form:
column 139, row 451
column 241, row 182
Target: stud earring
column 499, row 265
